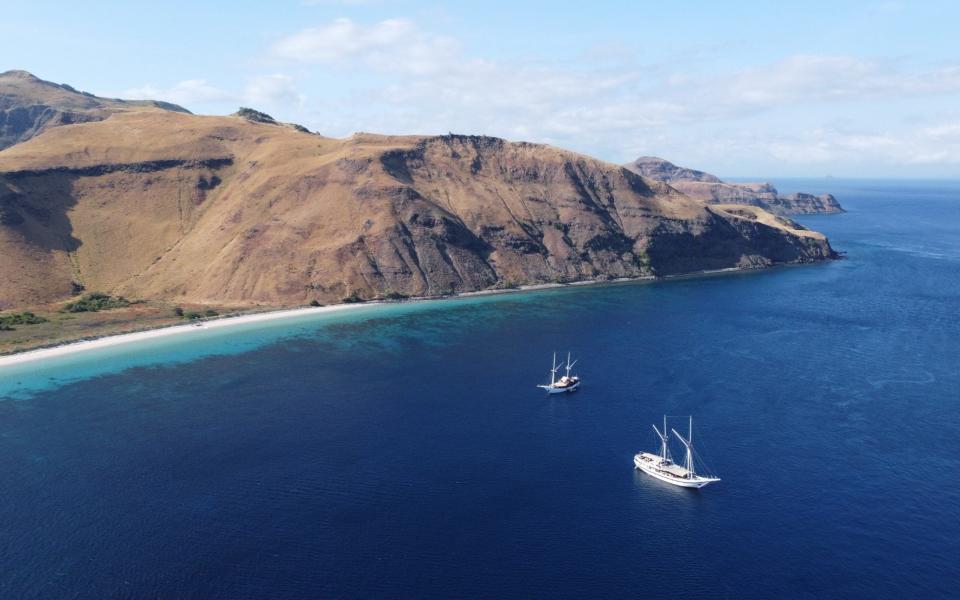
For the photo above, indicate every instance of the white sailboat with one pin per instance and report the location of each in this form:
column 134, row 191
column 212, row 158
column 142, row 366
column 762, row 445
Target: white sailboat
column 662, row 466
column 567, row 383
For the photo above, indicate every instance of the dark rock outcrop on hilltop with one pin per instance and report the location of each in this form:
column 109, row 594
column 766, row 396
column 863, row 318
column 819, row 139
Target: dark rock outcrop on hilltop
column 667, row 172
column 161, row 204
column 255, row 116
column 29, row 106
column 711, row 190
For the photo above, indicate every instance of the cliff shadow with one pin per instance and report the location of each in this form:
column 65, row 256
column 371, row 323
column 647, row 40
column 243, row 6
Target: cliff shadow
column 719, row 245
column 36, row 206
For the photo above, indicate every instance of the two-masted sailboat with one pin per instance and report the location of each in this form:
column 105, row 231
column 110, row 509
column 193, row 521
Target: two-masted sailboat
column 662, row 466
column 567, row 383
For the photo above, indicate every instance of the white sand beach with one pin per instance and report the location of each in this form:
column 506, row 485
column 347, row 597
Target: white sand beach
column 127, row 338
column 68, row 348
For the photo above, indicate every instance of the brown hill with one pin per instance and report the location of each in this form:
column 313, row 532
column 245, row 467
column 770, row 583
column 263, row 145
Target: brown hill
column 29, row 106
column 711, row 190
column 168, row 205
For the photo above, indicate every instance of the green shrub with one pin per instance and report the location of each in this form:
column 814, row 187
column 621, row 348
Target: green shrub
column 96, row 301
column 24, row 318
column 642, row 258
column 353, row 298
column 314, row 302
column 192, row 315
column 392, row 295
column 210, row 313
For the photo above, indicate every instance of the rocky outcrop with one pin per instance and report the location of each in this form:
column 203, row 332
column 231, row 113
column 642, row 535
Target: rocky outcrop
column 29, row 106
column 805, row 204
column 711, row 190
column 166, row 205
column 667, row 172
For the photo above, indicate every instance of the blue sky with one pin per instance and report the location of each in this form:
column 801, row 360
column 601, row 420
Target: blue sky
column 736, row 88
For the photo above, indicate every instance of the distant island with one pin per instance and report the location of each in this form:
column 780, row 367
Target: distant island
column 711, row 190
column 144, row 200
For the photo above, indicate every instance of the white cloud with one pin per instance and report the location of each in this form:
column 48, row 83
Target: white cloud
column 190, row 91
column 271, row 91
column 943, row 131
column 426, row 82
column 844, row 76
column 937, row 144
column 390, row 45
column 804, row 79
column 804, row 109
column 268, row 92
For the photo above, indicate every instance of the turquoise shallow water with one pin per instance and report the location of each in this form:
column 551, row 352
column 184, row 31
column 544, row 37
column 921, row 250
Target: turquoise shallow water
column 24, row 380
column 403, row 451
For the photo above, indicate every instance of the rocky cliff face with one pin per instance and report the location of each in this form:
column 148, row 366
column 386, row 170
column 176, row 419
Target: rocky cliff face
column 711, row 190
column 805, row 204
column 29, row 106
column 228, row 210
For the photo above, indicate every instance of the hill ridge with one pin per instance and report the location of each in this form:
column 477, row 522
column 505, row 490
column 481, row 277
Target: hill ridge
column 30, row 105
column 219, row 209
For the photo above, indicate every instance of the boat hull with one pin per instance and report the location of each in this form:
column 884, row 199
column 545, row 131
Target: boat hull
column 564, row 390
column 651, row 470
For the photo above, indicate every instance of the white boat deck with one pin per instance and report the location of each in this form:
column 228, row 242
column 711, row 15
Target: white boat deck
column 669, row 469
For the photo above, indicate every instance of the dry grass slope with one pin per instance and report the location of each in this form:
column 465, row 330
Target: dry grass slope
column 165, row 205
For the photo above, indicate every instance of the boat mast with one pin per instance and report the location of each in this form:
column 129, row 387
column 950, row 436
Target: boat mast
column 569, row 365
column 664, row 449
column 691, row 474
column 665, row 436
column 553, row 371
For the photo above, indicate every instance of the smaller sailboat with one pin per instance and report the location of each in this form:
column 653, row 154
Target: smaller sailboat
column 567, row 383
column 662, row 467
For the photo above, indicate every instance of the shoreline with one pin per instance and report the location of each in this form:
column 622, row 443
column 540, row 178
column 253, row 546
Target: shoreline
column 110, row 340
column 118, row 339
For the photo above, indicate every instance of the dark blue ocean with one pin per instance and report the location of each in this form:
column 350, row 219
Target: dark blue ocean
column 404, row 452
